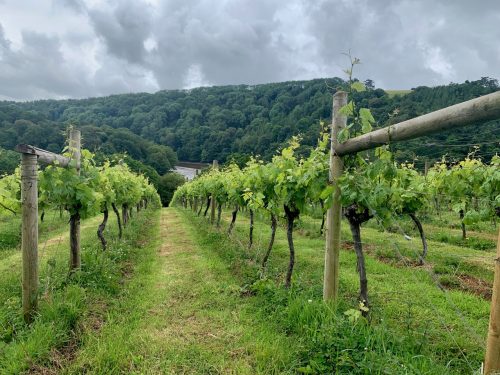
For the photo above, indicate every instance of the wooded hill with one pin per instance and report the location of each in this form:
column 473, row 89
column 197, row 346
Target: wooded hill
column 234, row 121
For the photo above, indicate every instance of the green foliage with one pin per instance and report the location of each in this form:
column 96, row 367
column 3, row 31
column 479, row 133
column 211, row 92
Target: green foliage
column 167, row 185
column 135, row 166
column 470, row 185
column 287, row 180
column 377, row 184
column 77, row 193
column 410, row 190
column 9, row 161
column 10, row 193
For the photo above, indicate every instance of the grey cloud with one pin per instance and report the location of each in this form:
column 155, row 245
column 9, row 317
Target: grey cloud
column 409, row 43
column 230, row 41
column 40, row 70
column 4, row 43
column 376, row 35
column 75, row 5
column 124, row 29
column 127, row 46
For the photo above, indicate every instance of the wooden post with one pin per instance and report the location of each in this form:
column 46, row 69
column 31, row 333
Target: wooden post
column 334, row 213
column 213, row 203
column 426, row 167
column 74, row 231
column 492, row 358
column 75, row 146
column 29, row 199
column 30, row 157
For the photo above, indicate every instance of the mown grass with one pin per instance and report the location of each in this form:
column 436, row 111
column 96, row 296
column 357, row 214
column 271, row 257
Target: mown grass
column 414, row 327
column 185, row 312
column 68, row 304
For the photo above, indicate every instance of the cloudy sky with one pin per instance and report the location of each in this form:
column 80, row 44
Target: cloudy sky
column 82, row 48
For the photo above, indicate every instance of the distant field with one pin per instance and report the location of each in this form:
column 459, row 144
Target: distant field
column 393, row 93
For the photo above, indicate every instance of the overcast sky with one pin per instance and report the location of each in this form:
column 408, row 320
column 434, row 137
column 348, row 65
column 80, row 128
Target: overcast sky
column 82, row 48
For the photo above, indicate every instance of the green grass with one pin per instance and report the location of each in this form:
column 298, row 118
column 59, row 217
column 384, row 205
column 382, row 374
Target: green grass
column 10, row 230
column 67, row 304
column 407, row 306
column 10, row 233
column 186, row 312
column 393, row 93
column 179, row 296
column 445, row 245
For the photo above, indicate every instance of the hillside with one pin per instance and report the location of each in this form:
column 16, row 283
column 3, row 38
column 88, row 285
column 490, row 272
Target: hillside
column 232, row 121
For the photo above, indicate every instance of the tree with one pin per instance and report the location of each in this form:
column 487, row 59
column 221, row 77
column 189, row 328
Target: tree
column 9, row 161
column 167, row 185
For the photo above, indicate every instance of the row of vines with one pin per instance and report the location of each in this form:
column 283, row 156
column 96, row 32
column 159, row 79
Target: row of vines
column 373, row 186
column 94, row 189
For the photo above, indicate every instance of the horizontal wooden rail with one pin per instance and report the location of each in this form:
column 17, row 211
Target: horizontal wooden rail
column 484, row 108
column 45, row 157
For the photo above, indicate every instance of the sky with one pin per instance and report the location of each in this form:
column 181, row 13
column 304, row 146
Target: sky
column 85, row 48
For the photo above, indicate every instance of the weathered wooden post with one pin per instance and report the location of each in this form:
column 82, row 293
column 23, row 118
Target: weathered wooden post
column 334, row 213
column 74, row 221
column 30, row 157
column 213, row 203
column 29, row 242
column 492, row 358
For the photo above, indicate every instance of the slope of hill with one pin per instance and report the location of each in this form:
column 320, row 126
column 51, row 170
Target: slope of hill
column 232, row 121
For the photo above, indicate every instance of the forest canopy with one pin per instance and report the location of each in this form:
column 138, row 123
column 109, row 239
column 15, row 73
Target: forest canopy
column 228, row 122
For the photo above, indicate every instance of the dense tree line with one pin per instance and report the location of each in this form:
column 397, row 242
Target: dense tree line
column 15, row 128
column 233, row 121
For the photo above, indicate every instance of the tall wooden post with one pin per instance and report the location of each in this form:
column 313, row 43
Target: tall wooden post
column 426, row 167
column 213, row 203
column 334, row 213
column 29, row 199
column 492, row 359
column 75, row 147
column 30, row 157
column 74, row 227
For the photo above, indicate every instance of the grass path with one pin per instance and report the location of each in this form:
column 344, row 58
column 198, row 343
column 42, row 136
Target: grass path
column 184, row 314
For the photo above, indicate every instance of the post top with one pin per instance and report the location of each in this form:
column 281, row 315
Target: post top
column 27, row 149
column 43, row 156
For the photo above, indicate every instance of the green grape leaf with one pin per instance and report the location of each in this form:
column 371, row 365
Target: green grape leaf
column 366, row 120
column 348, row 109
column 358, row 86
